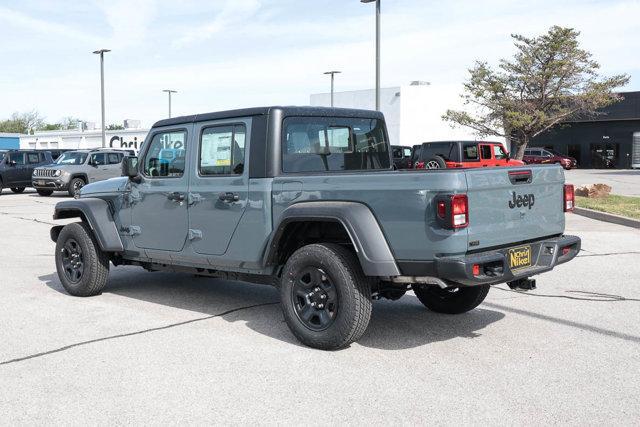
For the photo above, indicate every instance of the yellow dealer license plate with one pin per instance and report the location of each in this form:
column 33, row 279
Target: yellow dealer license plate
column 520, row 257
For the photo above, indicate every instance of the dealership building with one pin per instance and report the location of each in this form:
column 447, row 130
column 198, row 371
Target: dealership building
column 9, row 140
column 609, row 140
column 413, row 112
column 131, row 137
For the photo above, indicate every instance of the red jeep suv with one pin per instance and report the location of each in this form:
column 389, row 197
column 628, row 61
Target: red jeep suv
column 462, row 154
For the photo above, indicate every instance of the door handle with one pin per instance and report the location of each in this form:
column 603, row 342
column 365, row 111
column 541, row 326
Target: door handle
column 176, row 197
column 229, row 197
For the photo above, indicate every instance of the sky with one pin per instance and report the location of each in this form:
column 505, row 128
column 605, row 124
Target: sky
column 223, row 54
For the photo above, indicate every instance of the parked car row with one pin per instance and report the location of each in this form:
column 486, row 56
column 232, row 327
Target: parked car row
column 471, row 154
column 69, row 171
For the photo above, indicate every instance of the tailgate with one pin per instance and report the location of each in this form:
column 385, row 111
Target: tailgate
column 508, row 205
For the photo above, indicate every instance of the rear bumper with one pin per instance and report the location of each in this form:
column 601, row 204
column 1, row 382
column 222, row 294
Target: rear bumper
column 55, row 184
column 494, row 264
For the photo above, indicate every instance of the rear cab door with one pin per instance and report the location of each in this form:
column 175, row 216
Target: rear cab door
column 219, row 182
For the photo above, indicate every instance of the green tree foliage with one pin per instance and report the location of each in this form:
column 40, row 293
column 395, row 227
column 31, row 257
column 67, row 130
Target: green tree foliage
column 115, row 127
column 549, row 80
column 22, row 122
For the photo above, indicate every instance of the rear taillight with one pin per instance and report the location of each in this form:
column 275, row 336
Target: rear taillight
column 452, row 211
column 569, row 198
column 442, row 209
column 419, row 165
column 459, row 211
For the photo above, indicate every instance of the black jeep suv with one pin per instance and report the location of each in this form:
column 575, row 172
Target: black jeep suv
column 16, row 167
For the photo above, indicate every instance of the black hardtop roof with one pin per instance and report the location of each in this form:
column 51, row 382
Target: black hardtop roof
column 260, row 111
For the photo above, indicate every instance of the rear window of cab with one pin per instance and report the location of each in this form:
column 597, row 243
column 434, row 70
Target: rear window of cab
column 332, row 144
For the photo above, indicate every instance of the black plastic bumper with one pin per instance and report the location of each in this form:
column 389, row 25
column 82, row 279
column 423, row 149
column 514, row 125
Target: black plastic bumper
column 494, row 265
column 49, row 184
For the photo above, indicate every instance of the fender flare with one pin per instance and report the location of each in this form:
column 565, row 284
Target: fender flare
column 97, row 214
column 360, row 224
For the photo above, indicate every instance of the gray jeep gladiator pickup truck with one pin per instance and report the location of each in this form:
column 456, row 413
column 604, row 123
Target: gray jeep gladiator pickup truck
column 307, row 199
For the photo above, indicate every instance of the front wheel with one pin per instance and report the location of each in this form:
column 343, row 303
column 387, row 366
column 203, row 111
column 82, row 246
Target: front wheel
column 17, row 190
column 451, row 300
column 82, row 266
column 326, row 298
column 75, row 185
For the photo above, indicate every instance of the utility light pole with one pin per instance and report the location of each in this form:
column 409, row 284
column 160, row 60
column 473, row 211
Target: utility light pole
column 101, row 52
column 332, row 73
column 169, row 91
column 377, row 50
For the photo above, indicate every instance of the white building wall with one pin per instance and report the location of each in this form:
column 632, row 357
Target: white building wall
column 76, row 139
column 413, row 113
column 366, row 100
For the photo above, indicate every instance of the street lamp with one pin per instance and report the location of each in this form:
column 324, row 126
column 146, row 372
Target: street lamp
column 377, row 49
column 101, row 52
column 332, row 74
column 169, row 91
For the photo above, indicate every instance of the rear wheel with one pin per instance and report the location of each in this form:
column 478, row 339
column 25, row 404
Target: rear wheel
column 45, row 192
column 326, row 298
column 17, row 190
column 451, row 300
column 435, row 162
column 82, row 266
column 75, row 185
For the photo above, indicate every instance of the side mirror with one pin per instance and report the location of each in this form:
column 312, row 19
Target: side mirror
column 130, row 167
column 11, row 162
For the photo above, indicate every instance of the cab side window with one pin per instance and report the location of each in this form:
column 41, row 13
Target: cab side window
column 33, row 158
column 222, row 150
column 470, row 152
column 499, row 153
column 98, row 159
column 18, row 158
column 166, row 155
column 485, row 151
column 114, row 158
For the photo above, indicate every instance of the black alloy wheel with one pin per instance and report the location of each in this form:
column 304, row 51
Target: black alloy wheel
column 314, row 298
column 72, row 260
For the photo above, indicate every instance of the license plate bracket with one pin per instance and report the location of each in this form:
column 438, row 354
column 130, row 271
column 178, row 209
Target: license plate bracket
column 519, row 257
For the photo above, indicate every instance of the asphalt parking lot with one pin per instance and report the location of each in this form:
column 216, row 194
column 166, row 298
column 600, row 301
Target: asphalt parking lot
column 167, row 348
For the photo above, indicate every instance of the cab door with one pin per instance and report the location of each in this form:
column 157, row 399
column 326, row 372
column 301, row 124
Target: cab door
column 219, row 183
column 15, row 169
column 500, row 155
column 159, row 218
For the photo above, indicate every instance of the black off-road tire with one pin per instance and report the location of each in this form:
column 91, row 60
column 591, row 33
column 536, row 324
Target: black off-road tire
column 44, row 193
column 75, row 185
column 17, row 190
column 451, row 301
column 94, row 260
column 352, row 291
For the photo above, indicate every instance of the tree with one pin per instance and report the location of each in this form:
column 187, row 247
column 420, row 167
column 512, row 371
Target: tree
column 22, row 122
column 114, row 126
column 549, row 80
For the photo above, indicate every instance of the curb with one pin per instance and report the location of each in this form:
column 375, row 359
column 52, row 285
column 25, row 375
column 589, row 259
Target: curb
column 607, row 217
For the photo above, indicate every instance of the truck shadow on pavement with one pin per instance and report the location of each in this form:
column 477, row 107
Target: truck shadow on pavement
column 394, row 324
